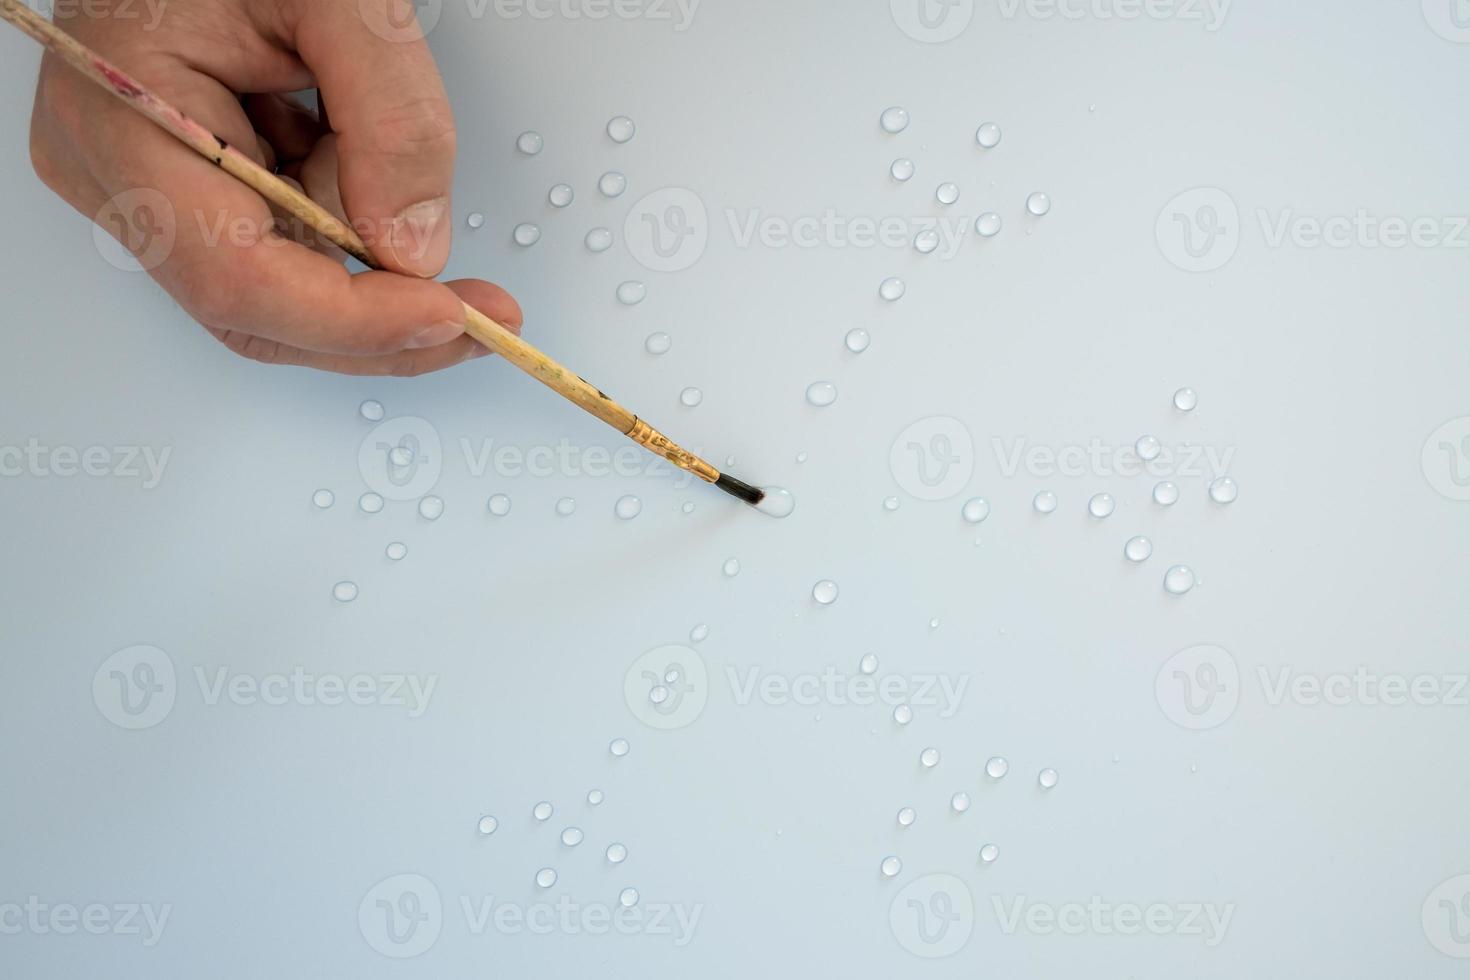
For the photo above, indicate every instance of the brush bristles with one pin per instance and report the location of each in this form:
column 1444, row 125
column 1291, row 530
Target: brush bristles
column 743, row 491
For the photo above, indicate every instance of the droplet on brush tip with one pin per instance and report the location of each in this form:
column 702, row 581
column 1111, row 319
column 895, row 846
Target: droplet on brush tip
column 776, row 502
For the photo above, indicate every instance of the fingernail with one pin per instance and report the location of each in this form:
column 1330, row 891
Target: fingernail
column 420, row 237
column 439, row 333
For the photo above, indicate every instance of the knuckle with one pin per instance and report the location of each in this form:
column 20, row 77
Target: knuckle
column 253, row 347
column 416, row 127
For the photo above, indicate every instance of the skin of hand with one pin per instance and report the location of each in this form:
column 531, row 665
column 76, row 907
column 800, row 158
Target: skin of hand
column 385, row 163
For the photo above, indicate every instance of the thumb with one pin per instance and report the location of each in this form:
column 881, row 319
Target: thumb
column 395, row 130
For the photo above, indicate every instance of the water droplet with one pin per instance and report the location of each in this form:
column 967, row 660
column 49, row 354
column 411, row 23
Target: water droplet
column 344, row 591
column 595, row 797
column 616, row 853
column 488, row 825
column 400, row 456
column 397, row 551
column 1224, row 490
column 890, row 867
column 1044, row 502
column 324, row 499
column 599, row 240
column 801, row 457
column 947, row 193
column 621, row 129
column 934, row 624
column 690, row 397
column 857, row 340
column 1138, row 549
column 370, row 503
column 906, row 817
column 988, row 225
column 566, row 506
column 612, row 184
column 1148, row 448
column 526, row 234
column 671, row 676
column 687, row 507
column 542, row 811
column 988, row 135
column 1186, row 399
column 960, row 802
column 821, row 394
column 658, row 344
column 431, row 508
column 618, row 747
column 903, row 714
column 659, row 694
column 530, row 143
column 869, row 663
column 545, row 878
column 976, row 509
column 892, row 289
column 731, row 567
column 902, row 169
column 996, row 767
column 929, row 758
column 632, row 293
column 778, row 502
column 1179, row 580
column 926, row 241
column 499, row 505
column 1038, row 204
column 890, row 504
column 628, row 897
column 628, row 507
column 1101, row 505
column 989, row 853
column 895, row 119
column 825, row 592
column 1166, row 494
column 699, row 634
column 1047, row 778
column 371, row 410
column 561, row 195
column 572, row 836
column 475, row 220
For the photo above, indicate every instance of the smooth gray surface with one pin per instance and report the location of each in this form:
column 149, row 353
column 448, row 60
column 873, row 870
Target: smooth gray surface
column 1332, row 834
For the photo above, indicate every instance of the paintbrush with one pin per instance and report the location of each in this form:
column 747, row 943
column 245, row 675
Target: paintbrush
column 479, row 326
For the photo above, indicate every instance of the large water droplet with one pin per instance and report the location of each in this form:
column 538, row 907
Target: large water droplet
column 902, row 169
column 976, row 509
column 1101, row 505
column 526, row 234
column 1044, row 502
column 869, row 663
column 628, row 897
column 988, row 225
column 1138, row 549
column 690, row 397
column 659, row 694
column 926, row 241
column 370, row 503
column 530, row 143
column 632, row 293
column 906, row 817
column 499, row 505
column 857, row 340
column 1179, row 579
column 960, row 802
column 1047, row 778
column 616, row 853
column 1224, row 491
column 371, row 410
column 542, row 811
column 397, row 551
column 989, row 853
column 1148, row 448
column 1166, row 494
column 903, row 714
column 628, row 507
column 731, row 568
column 1038, row 204
column 892, row 289
column 618, row 747
column 621, row 129
column 821, row 393
column 929, row 758
column 1186, row 399
column 988, row 135
column 431, row 508
column 475, row 220
column 546, row 877
column 658, row 344
column 561, row 195
column 324, row 499
column 595, row 797
column 825, row 592
column 344, row 591
column 895, row 119
column 572, row 836
column 947, row 193
column 612, row 184
column 778, row 502
column 890, row 867
column 488, row 825
column 599, row 240
column 566, row 506
column 996, row 767
column 699, row 634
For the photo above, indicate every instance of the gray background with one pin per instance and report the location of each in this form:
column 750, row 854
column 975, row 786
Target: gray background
column 1324, row 370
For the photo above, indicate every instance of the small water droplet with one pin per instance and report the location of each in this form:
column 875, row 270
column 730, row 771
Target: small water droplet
column 371, row 410
column 976, row 509
column 960, row 802
column 475, row 220
column 1224, row 490
column 895, row 119
column 658, row 344
column 1166, row 494
column 488, row 825
column 618, row 747
column 1179, row 579
column 1101, row 505
column 1186, row 399
column 903, row 714
column 825, row 592
column 731, row 567
column 988, row 135
column 671, row 676
column 1047, row 778
column 612, row 184
column 801, row 457
column 545, row 878
column 566, row 506
column 988, row 225
column 947, row 193
column 690, row 397
column 699, row 634
column 996, row 767
column 628, row 507
column 892, row 289
column 499, row 505
column 1138, row 549
column 821, row 394
column 561, row 195
column 989, row 853
column 632, row 293
column 929, row 758
column 628, row 897
column 542, row 811
column 621, row 129
column 778, row 502
column 1148, row 448
column 1044, row 502
column 572, row 836
column 616, row 853
column 890, row 867
column 869, row 663
column 687, row 507
column 599, row 240
column 344, row 591
column 906, row 817
column 857, row 340
column 902, row 169
column 370, row 503
column 891, row 504
column 926, row 241
column 595, row 797
column 659, row 694
column 431, row 508
column 526, row 234
column 1038, row 204
column 530, row 143
column 324, row 499
column 397, row 551
column 934, row 624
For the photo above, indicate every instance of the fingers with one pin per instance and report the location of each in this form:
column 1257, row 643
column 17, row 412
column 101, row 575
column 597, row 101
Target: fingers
column 490, row 300
column 289, row 127
column 396, row 138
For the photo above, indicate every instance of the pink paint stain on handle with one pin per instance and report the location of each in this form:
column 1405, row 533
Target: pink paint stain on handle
column 121, row 83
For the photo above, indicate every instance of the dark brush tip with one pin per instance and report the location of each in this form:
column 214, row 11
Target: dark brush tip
column 743, row 491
